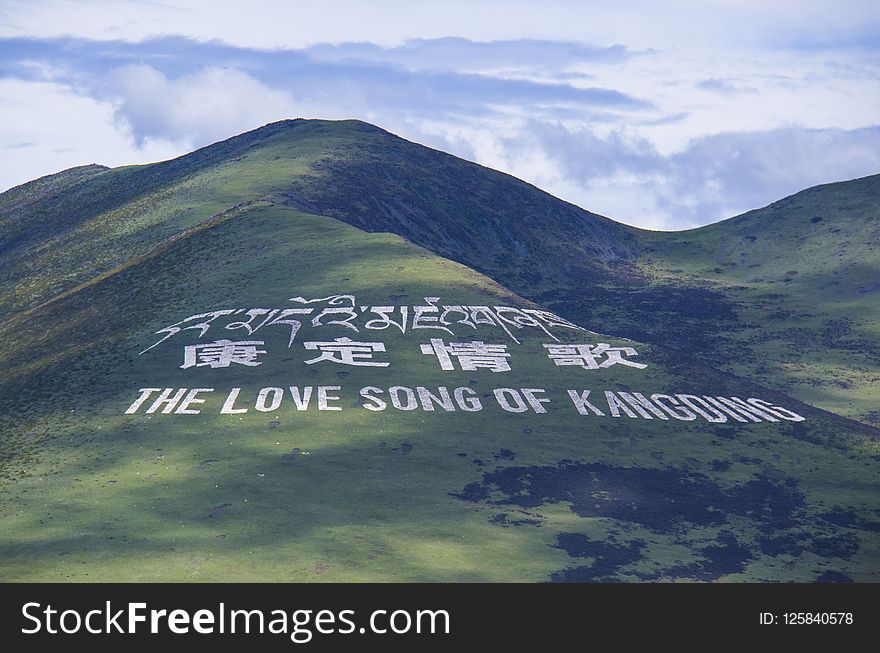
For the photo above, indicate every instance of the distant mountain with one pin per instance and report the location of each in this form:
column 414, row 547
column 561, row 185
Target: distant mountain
column 224, row 281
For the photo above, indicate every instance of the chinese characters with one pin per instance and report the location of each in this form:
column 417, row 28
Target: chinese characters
column 590, row 357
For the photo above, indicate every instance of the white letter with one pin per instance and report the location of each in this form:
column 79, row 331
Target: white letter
column 724, row 409
column 277, row 396
column 534, row 402
column 230, row 402
column 89, row 622
column 343, row 617
column 191, row 398
column 408, row 621
column 49, row 612
column 747, row 408
column 501, row 396
column 367, row 393
column 373, row 622
column 155, row 615
column 428, row 399
column 411, row 401
column 323, row 397
column 615, row 405
column 638, row 401
column 688, row 400
column 581, row 403
column 70, row 631
column 779, row 411
column 247, row 619
column 298, row 629
column 111, row 621
column 325, row 617
column 278, row 625
column 178, row 622
column 302, row 402
column 165, row 398
column 749, row 411
column 678, row 412
column 469, row 405
column 145, row 394
column 433, row 614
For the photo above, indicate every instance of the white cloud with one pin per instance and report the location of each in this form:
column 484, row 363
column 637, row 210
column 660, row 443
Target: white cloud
column 621, row 175
column 281, row 23
column 685, row 122
column 725, row 174
column 48, row 127
column 198, row 108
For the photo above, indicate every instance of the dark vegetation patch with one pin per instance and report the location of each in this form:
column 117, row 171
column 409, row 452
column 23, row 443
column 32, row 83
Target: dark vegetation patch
column 806, row 433
column 833, row 577
column 218, row 510
column 503, row 519
column 671, row 502
column 663, row 500
column 849, row 519
column 608, row 558
column 872, row 417
column 724, row 431
column 780, row 545
column 725, row 555
column 292, row 455
column 403, row 449
column 844, row 545
column 682, row 318
column 837, row 544
column 720, row 465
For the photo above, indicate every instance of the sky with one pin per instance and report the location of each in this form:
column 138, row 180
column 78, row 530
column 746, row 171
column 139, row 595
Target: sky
column 660, row 115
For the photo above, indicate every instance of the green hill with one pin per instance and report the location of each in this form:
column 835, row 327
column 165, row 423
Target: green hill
column 800, row 283
column 97, row 264
column 784, row 295
column 787, row 295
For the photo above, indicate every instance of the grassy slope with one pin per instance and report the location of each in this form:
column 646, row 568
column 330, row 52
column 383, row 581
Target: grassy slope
column 102, row 221
column 91, row 494
column 786, row 295
column 348, row 169
column 770, row 295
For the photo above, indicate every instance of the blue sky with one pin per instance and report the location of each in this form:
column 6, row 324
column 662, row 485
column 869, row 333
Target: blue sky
column 662, row 115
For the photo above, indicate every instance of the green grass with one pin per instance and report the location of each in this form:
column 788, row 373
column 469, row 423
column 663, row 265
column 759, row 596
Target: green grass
column 88, row 493
column 775, row 295
column 801, row 278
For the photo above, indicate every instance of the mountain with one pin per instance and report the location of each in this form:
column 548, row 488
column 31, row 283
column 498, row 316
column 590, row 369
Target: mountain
column 114, row 281
column 787, row 295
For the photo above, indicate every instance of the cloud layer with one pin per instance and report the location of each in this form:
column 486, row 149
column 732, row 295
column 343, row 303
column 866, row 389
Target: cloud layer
column 653, row 134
